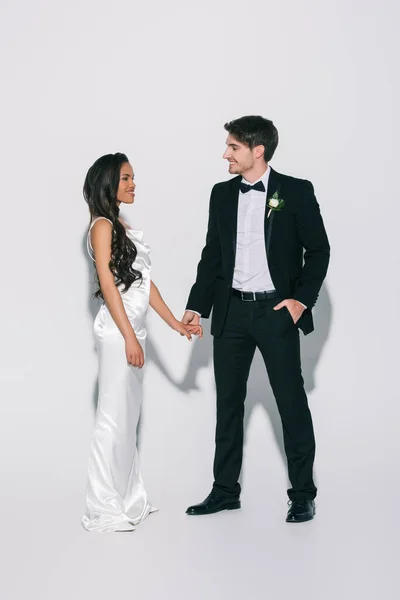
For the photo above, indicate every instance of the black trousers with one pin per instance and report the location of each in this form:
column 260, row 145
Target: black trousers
column 250, row 325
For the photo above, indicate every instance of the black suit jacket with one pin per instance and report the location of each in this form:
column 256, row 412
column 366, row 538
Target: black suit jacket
column 296, row 243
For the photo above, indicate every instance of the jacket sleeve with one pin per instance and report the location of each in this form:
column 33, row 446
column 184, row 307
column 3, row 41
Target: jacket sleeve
column 201, row 297
column 312, row 235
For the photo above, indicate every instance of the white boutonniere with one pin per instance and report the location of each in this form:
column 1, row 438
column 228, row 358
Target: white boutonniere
column 275, row 203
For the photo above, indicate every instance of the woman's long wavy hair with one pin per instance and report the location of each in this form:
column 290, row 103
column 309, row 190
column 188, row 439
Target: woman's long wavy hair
column 100, row 192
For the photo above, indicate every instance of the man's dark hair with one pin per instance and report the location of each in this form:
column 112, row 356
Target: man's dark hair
column 255, row 131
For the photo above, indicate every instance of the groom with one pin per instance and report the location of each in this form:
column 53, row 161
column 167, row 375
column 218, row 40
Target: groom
column 253, row 274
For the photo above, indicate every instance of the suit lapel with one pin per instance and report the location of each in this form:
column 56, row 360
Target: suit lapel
column 232, row 212
column 273, row 186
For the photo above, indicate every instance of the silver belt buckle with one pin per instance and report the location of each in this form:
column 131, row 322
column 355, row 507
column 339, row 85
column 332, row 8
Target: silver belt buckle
column 251, row 299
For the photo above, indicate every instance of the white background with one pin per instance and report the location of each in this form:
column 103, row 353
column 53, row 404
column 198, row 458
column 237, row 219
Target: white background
column 158, row 81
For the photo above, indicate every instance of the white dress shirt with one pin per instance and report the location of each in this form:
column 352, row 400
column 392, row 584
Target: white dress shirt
column 251, row 272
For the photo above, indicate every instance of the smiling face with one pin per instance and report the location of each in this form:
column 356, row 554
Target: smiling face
column 126, row 188
column 242, row 159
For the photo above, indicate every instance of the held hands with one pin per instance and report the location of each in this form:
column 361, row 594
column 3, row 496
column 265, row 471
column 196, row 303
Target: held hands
column 134, row 352
column 188, row 329
column 294, row 307
column 191, row 322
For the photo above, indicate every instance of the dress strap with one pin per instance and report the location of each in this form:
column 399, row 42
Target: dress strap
column 88, row 242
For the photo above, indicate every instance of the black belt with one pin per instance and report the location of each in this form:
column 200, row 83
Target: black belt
column 254, row 296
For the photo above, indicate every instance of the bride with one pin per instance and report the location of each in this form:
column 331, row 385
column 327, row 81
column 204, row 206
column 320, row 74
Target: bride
column 116, row 498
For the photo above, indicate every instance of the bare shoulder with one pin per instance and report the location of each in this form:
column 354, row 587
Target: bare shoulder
column 101, row 233
column 102, row 225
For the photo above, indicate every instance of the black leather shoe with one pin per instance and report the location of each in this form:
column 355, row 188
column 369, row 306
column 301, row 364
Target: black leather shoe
column 212, row 504
column 300, row 510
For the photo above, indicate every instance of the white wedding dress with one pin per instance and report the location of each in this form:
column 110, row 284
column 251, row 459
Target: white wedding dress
column 115, row 497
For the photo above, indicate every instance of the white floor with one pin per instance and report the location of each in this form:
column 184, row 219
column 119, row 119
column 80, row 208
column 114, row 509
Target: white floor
column 350, row 551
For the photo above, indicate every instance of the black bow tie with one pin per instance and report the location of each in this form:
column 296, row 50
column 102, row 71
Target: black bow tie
column 259, row 187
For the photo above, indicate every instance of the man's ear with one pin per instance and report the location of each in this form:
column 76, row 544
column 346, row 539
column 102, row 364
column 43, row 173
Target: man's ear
column 259, row 151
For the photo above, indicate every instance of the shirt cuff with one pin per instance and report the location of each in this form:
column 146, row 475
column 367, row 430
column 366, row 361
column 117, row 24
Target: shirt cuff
column 193, row 311
column 302, row 304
